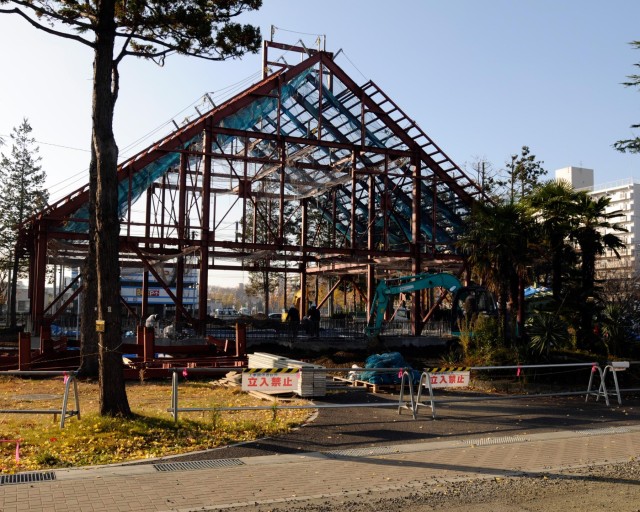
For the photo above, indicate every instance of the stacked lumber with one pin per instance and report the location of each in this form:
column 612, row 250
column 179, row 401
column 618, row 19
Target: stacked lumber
column 230, row 380
column 310, row 384
column 264, row 360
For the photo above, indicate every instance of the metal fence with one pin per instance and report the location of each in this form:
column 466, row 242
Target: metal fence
column 70, row 382
column 175, row 409
column 411, row 394
column 330, row 328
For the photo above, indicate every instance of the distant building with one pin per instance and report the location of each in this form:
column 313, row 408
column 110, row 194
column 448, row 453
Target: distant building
column 579, row 177
column 624, row 195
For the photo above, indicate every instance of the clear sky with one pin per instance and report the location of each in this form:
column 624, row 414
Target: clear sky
column 481, row 77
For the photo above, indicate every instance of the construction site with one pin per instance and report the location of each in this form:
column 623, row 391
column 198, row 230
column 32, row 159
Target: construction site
column 331, row 185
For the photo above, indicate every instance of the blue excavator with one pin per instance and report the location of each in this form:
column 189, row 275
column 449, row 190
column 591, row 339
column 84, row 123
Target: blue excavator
column 467, row 300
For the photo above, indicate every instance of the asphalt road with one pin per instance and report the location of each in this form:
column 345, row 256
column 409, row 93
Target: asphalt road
column 471, row 415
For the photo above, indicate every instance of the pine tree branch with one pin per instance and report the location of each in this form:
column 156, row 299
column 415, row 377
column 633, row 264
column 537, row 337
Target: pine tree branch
column 50, row 30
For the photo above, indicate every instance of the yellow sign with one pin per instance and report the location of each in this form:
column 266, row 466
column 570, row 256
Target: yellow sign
column 99, row 325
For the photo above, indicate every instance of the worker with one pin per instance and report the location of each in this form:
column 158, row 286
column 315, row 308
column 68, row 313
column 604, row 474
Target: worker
column 293, row 319
column 169, row 331
column 314, row 317
column 151, row 321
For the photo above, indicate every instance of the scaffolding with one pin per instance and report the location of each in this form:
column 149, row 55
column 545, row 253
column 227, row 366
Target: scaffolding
column 343, row 180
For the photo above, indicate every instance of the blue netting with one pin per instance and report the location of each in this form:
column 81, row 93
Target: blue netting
column 244, row 119
column 387, row 360
column 140, row 182
column 250, row 116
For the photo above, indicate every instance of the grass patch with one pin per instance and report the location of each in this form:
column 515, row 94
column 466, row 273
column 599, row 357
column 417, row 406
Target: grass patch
column 151, row 433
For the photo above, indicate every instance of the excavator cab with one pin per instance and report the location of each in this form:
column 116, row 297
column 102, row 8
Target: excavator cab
column 470, row 302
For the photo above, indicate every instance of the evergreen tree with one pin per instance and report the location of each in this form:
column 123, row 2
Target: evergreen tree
column 631, row 145
column 523, row 174
column 595, row 230
column 553, row 204
column 114, row 29
column 22, row 194
column 497, row 245
column 487, row 178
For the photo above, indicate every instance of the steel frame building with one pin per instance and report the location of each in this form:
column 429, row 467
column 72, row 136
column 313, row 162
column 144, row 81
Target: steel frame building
column 352, row 185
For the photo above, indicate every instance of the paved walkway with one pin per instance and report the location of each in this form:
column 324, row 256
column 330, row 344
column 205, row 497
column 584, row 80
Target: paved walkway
column 277, row 479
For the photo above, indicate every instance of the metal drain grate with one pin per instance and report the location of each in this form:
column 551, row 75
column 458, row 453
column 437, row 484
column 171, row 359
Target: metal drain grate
column 361, row 452
column 602, row 431
column 198, row 464
column 495, row 440
column 25, row 478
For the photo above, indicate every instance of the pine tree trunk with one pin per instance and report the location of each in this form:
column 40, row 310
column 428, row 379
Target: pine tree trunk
column 113, row 396
column 88, row 337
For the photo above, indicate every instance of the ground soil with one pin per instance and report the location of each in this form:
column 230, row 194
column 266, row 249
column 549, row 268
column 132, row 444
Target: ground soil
column 609, row 487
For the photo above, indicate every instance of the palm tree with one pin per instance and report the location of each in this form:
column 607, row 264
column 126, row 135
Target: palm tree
column 593, row 232
column 552, row 204
column 496, row 244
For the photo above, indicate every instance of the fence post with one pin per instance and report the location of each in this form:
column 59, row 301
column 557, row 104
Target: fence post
column 174, row 395
column 406, row 375
column 241, row 339
column 149, row 343
column 24, row 350
column 46, row 343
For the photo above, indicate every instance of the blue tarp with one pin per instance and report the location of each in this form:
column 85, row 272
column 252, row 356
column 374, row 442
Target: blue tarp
column 532, row 290
column 387, row 360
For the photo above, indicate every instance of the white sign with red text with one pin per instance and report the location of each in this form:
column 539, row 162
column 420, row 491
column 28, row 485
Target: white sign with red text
column 270, row 380
column 449, row 379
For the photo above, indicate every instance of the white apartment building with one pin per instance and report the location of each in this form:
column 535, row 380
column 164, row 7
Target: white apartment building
column 624, row 196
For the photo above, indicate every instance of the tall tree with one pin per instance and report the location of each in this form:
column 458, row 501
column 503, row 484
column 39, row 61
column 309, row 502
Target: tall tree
column 553, row 204
column 89, row 349
column 631, row 145
column 523, row 173
column 114, row 29
column 487, row 178
column 22, row 193
column 496, row 244
column 594, row 231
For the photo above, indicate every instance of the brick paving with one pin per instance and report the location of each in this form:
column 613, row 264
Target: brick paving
column 282, row 478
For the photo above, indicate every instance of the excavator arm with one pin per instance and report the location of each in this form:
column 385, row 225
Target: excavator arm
column 407, row 284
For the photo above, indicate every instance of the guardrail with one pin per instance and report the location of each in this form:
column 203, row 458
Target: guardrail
column 175, row 409
column 64, row 411
column 426, row 378
column 411, row 397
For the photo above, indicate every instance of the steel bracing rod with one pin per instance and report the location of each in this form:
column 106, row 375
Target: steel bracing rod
column 361, row 126
column 162, row 283
column 339, row 136
column 295, row 121
column 61, row 294
column 79, row 197
column 441, row 298
column 66, row 303
column 346, row 192
column 397, row 130
column 303, row 141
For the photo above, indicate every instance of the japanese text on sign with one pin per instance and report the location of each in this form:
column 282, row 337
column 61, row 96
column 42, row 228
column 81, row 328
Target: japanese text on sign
column 449, row 380
column 270, row 382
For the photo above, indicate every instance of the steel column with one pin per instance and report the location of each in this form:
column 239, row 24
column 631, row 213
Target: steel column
column 416, row 257
column 203, row 285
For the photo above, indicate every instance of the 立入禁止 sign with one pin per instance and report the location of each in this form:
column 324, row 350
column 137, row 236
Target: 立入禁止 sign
column 270, row 379
column 448, row 379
